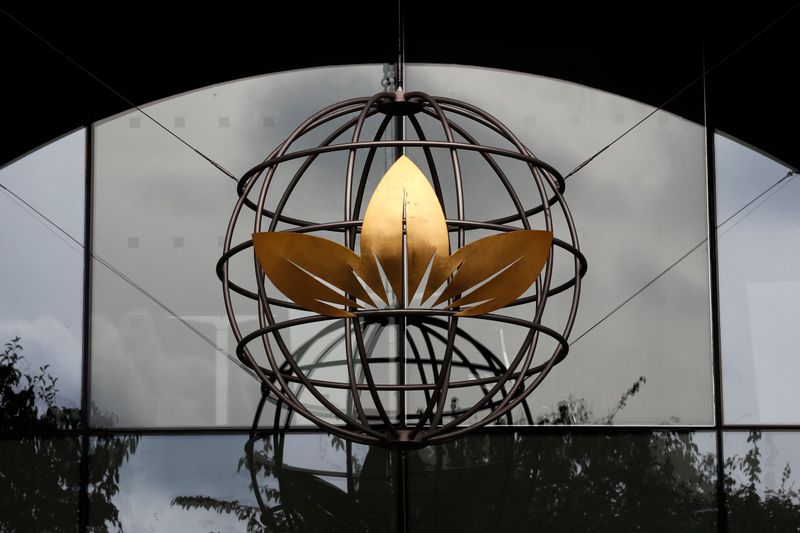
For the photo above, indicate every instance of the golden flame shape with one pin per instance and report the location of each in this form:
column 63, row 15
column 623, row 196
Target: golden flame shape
column 295, row 262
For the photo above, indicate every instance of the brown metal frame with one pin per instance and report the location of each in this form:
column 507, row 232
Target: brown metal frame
column 502, row 392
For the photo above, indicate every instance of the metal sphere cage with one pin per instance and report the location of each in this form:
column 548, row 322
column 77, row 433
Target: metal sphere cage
column 399, row 375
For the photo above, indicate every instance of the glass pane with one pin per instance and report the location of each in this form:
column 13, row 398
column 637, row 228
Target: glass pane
column 759, row 285
column 761, row 486
column 41, row 293
column 641, row 217
column 161, row 213
column 570, row 482
column 230, row 483
column 40, row 484
column 624, row 203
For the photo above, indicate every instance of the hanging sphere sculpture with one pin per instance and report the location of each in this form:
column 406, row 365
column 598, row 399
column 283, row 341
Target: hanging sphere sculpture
column 383, row 295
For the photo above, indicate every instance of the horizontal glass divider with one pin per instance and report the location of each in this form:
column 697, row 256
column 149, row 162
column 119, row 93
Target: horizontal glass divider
column 595, row 429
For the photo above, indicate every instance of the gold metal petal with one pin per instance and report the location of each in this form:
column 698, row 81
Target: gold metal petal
column 291, row 260
column 403, row 192
column 506, row 265
column 522, row 254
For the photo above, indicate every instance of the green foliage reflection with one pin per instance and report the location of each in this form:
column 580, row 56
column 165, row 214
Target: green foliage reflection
column 39, row 466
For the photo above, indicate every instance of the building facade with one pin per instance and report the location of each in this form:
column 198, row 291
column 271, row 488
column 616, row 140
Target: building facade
column 126, row 408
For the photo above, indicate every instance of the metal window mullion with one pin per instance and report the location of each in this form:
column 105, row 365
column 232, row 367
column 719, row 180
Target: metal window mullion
column 85, row 435
column 713, row 271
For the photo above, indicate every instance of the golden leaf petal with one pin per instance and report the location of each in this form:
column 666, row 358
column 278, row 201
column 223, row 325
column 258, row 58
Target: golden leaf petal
column 291, row 260
column 506, row 264
column 403, row 191
column 522, row 254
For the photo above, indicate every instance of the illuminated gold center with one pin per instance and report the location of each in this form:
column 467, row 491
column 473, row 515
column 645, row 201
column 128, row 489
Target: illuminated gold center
column 296, row 262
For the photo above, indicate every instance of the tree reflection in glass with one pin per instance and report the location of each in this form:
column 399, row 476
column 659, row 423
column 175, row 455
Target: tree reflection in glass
column 39, row 471
column 351, row 487
column 755, row 502
column 556, row 480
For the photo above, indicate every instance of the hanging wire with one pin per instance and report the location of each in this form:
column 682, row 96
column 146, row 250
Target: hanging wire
column 686, row 88
column 125, row 278
column 49, row 227
column 399, row 77
column 120, row 95
column 789, row 176
column 400, row 74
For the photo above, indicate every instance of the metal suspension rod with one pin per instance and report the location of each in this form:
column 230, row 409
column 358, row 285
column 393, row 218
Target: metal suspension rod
column 401, row 47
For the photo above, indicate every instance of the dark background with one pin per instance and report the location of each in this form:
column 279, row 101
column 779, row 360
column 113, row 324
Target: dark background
column 648, row 51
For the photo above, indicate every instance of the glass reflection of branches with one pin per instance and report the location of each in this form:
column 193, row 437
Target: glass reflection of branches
column 311, row 483
column 554, row 479
column 39, row 462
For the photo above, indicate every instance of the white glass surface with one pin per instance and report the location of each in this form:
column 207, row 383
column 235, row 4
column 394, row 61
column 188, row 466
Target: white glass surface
column 759, row 285
column 160, row 214
column 638, row 207
column 161, row 210
column 41, row 269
